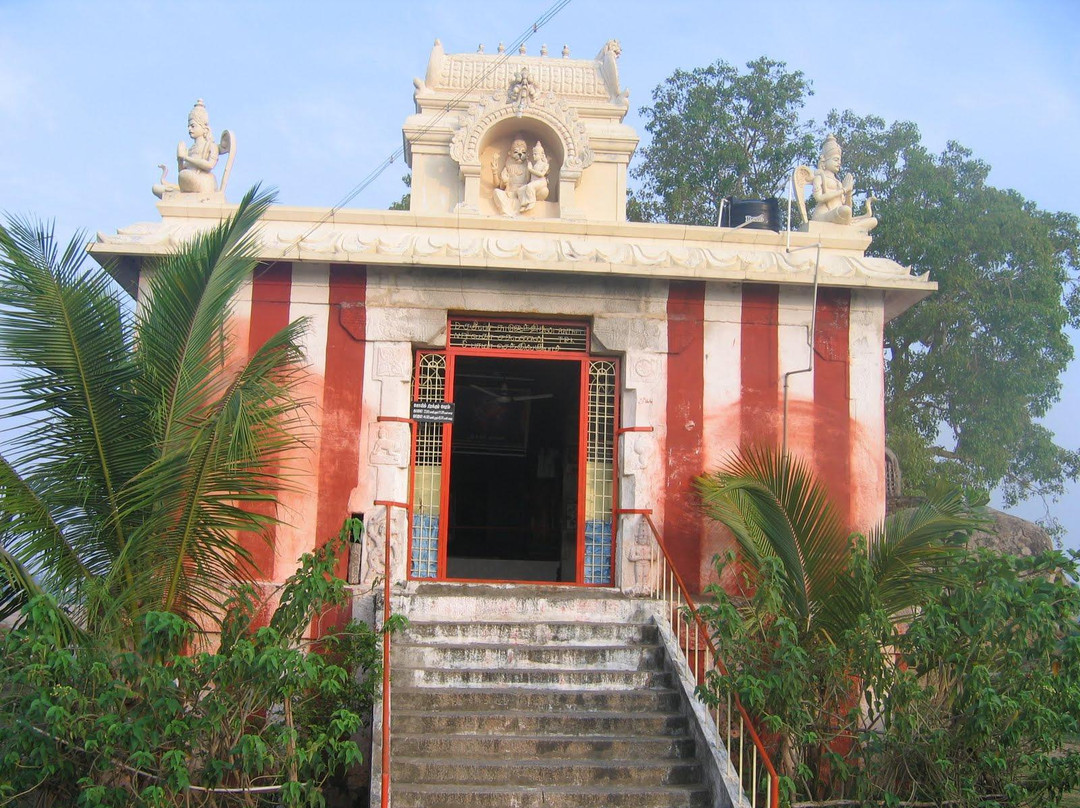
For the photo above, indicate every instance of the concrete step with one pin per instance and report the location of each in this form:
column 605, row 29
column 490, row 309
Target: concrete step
column 554, row 772
column 407, row 723
column 515, row 603
column 564, row 678
column 545, row 747
column 483, row 655
column 540, row 700
column 530, row 633
column 607, row 796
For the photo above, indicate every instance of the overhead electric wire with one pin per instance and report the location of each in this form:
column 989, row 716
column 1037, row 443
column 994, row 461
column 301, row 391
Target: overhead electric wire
column 374, row 174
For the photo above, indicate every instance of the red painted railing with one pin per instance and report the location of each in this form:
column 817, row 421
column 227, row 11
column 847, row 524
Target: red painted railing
column 751, row 761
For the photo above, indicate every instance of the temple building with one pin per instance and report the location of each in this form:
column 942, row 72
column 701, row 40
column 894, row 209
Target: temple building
column 514, row 386
column 584, row 366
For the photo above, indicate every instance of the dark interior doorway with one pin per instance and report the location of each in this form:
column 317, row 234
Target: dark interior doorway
column 513, row 469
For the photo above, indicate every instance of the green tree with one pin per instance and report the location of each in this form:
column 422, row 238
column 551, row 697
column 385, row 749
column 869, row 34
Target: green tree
column 989, row 690
column 405, row 203
column 257, row 721
column 714, row 132
column 146, row 434
column 973, row 368
column 821, row 604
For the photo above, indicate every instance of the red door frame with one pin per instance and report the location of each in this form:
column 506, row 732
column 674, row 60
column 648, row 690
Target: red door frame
column 583, row 358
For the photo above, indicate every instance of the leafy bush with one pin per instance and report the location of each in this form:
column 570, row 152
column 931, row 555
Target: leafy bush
column 968, row 704
column 260, row 720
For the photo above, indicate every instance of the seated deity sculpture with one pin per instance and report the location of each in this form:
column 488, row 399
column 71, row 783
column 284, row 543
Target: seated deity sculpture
column 522, row 182
column 195, row 163
column 536, row 189
column 833, row 197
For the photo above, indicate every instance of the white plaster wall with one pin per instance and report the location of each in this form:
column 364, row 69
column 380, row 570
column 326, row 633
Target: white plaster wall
column 793, row 318
column 867, row 407
column 409, row 309
column 298, row 508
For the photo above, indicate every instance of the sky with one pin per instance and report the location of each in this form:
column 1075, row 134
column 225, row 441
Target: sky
column 94, row 95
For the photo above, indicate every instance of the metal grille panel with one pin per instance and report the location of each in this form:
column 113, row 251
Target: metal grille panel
column 599, row 472
column 515, row 336
column 427, row 483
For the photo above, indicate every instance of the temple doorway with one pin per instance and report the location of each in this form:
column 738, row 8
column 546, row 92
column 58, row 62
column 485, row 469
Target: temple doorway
column 519, row 484
column 514, row 470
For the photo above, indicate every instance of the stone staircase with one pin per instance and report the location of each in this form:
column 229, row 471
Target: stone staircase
column 521, row 697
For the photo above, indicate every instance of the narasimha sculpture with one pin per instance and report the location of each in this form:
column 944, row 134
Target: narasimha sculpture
column 522, row 182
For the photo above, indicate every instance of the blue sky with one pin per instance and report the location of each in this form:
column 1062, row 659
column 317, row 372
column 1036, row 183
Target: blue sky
column 94, row 95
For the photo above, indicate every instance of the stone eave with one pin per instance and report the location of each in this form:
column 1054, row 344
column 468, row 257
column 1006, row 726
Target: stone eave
column 630, row 249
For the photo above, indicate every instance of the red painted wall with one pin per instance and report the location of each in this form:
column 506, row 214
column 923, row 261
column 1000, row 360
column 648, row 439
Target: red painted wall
column 832, row 404
column 343, row 393
column 760, row 420
column 683, row 526
column 271, row 290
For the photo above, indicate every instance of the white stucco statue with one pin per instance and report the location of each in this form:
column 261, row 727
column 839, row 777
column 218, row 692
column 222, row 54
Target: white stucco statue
column 195, row 163
column 833, row 197
column 522, row 182
column 536, row 190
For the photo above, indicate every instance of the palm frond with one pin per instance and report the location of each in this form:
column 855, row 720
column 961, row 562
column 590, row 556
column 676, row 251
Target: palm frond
column 181, row 346
column 65, row 332
column 775, row 507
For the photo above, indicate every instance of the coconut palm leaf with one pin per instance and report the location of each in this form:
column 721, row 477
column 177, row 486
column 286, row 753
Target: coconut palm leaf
column 63, row 331
column 775, row 507
column 909, row 555
column 148, row 435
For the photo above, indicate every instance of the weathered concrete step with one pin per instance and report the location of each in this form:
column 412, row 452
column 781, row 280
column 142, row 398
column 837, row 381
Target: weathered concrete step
column 544, row 747
column 538, row 700
column 447, row 796
column 531, row 633
column 519, row 604
column 606, row 657
column 567, row 679
column 556, row 772
column 497, row 722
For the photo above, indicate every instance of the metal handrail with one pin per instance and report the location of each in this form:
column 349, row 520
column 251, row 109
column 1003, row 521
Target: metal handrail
column 388, row 543
column 692, row 637
column 385, row 784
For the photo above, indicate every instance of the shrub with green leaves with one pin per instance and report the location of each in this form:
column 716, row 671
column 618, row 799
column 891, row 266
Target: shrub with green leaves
column 260, row 720
column 967, row 704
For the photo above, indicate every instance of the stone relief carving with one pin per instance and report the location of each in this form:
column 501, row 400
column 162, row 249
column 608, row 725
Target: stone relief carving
column 640, row 556
column 391, row 362
column 644, row 335
column 387, row 450
column 523, row 181
column 375, row 543
column 833, row 197
column 195, row 163
column 523, row 90
column 644, row 369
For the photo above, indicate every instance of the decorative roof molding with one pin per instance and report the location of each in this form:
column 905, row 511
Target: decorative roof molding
column 615, row 253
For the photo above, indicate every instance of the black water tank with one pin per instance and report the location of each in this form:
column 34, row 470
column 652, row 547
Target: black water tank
column 752, row 214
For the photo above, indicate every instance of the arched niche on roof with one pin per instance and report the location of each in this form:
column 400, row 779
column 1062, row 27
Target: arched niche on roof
column 488, row 130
